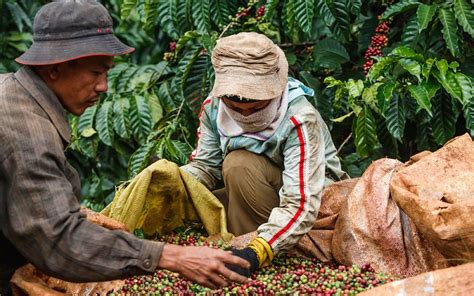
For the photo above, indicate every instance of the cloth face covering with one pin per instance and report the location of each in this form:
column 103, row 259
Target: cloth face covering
column 265, row 121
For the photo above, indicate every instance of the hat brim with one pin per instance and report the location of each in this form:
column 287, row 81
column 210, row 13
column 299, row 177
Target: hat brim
column 252, row 86
column 58, row 51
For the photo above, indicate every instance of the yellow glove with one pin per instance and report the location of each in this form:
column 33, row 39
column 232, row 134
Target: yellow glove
column 263, row 250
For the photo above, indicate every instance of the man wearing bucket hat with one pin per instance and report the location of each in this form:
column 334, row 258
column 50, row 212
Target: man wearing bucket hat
column 260, row 136
column 40, row 218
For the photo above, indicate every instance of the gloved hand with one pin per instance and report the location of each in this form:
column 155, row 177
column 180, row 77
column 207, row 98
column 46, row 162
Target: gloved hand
column 258, row 253
column 247, row 254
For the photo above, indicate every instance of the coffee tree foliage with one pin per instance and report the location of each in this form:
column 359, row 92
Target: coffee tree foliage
column 417, row 94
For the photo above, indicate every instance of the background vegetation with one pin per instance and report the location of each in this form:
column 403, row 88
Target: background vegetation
column 391, row 77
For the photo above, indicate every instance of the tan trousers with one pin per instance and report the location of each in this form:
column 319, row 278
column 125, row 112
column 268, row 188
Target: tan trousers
column 252, row 183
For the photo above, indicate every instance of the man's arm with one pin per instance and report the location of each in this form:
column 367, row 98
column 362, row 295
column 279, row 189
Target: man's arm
column 206, row 160
column 303, row 179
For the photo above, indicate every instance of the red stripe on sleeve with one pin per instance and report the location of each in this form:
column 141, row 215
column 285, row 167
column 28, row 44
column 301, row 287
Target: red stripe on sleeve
column 198, row 131
column 301, row 177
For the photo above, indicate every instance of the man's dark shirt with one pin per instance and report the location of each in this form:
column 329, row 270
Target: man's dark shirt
column 40, row 216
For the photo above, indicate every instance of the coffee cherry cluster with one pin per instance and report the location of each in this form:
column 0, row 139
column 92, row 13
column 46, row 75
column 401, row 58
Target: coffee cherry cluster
column 172, row 46
column 378, row 41
column 260, row 12
column 286, row 275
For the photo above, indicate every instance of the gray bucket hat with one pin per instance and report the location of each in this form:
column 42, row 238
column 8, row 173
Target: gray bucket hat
column 249, row 65
column 71, row 29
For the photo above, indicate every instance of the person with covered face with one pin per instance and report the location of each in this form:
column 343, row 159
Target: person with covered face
column 262, row 139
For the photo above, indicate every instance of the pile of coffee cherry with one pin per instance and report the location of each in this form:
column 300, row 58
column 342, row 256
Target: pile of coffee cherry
column 286, row 275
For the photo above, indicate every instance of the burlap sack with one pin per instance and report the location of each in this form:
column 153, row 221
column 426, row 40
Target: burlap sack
column 372, row 229
column 449, row 281
column 317, row 242
column 437, row 193
column 28, row 280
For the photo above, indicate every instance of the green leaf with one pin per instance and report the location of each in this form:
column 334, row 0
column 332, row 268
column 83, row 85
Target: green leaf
column 219, row 12
column 450, row 84
column 167, row 97
column 185, row 65
column 355, row 87
column 406, row 52
column 365, row 135
column 420, row 94
column 181, row 151
column 423, row 131
column 410, row 34
column 125, row 78
column 377, row 69
column 88, row 132
column 150, row 13
column 384, row 95
column 139, row 160
column 167, row 15
column 424, row 15
column 444, row 119
column 467, row 89
column 331, row 81
column 449, row 30
column 201, row 16
column 183, row 40
column 86, row 121
column 343, row 117
column 270, row 7
column 412, row 66
column 156, row 110
column 342, row 25
column 126, row 8
column 464, row 15
column 426, row 68
column 19, row 16
column 369, row 95
column 121, row 118
column 304, row 10
column 329, row 53
column 388, row 142
column 324, row 11
column 355, row 6
column 442, row 66
column 288, row 17
column 399, row 7
column 104, row 123
column 140, row 118
column 323, row 101
column 431, row 87
column 89, row 145
column 469, row 116
column 395, row 117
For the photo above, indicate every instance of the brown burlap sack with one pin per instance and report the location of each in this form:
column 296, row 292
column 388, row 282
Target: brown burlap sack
column 437, row 193
column 372, row 229
column 449, row 281
column 28, row 280
column 317, row 242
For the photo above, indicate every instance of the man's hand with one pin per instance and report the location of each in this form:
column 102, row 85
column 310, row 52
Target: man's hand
column 203, row 265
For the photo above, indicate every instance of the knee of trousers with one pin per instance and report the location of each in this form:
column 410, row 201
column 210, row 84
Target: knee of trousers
column 240, row 167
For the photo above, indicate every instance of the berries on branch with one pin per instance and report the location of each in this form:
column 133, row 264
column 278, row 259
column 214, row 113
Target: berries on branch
column 378, row 41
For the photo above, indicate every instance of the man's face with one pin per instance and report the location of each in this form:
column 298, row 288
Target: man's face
column 80, row 82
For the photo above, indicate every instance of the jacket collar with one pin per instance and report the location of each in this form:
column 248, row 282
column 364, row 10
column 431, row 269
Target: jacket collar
column 45, row 97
